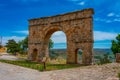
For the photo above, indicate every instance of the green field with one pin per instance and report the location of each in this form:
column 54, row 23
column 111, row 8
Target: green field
column 40, row 66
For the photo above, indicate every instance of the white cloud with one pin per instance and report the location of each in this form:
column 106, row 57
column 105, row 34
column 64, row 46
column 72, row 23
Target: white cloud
column 99, row 35
column 117, row 19
column 99, row 19
column 22, row 32
column 58, row 33
column 117, row 15
column 108, row 20
column 78, row 2
column 59, row 37
column 6, row 38
column 111, row 14
column 103, row 20
column 81, row 3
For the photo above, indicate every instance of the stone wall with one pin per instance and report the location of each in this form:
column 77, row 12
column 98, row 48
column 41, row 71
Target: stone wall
column 78, row 27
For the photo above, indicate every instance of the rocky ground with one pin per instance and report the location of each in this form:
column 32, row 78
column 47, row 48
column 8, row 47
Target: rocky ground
column 94, row 72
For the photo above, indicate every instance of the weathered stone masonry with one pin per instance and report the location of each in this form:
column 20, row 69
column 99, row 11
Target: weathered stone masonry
column 78, row 27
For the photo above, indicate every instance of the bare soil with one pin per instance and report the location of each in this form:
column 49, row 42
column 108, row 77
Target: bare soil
column 101, row 72
column 93, row 72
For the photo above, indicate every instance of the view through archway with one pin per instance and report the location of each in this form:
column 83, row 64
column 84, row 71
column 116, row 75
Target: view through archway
column 78, row 56
column 57, row 53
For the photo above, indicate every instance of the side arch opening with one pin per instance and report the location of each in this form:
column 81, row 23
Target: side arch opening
column 34, row 54
column 78, row 56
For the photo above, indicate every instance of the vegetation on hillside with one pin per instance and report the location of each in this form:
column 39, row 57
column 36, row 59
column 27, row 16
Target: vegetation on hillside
column 105, row 59
column 116, row 45
column 1, row 46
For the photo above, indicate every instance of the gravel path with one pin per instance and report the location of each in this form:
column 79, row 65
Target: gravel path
column 94, row 72
column 105, row 72
column 12, row 72
column 7, row 56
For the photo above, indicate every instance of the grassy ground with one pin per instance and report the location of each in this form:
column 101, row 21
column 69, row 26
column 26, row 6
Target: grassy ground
column 39, row 66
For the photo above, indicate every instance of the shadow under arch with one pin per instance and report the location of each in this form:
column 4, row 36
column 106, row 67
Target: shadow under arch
column 34, row 54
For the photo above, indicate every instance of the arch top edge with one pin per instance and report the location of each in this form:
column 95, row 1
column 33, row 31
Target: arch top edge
column 77, row 11
column 80, row 14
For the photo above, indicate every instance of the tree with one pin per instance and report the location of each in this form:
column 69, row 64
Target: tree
column 116, row 45
column 23, row 45
column 12, row 46
column 1, row 46
column 105, row 59
column 51, row 43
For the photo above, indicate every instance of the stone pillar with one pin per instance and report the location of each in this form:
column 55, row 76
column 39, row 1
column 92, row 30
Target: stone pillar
column 118, row 57
column 70, row 53
column 87, row 54
column 29, row 53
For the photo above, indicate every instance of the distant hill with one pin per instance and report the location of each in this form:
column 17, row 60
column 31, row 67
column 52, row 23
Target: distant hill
column 96, row 51
column 100, row 51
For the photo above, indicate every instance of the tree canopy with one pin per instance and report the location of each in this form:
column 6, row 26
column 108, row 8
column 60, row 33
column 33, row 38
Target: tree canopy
column 51, row 44
column 21, row 46
column 12, row 46
column 116, row 45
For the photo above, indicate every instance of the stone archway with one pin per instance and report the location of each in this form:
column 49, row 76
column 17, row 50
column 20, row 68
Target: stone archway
column 78, row 27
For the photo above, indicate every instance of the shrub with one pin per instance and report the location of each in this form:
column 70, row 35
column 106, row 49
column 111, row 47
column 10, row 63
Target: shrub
column 105, row 59
column 119, row 75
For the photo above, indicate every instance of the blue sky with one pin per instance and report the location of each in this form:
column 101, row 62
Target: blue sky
column 15, row 13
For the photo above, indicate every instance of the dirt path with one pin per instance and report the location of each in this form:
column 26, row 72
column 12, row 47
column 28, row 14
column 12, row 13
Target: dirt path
column 104, row 72
column 7, row 56
column 94, row 72
column 12, row 72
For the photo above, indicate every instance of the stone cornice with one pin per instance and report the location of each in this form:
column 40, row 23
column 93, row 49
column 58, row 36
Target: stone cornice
column 82, row 14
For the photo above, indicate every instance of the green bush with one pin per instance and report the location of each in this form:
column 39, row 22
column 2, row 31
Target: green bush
column 105, row 59
column 53, row 55
column 119, row 75
column 39, row 66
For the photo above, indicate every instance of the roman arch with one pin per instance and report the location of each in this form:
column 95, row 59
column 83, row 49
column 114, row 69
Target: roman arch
column 78, row 27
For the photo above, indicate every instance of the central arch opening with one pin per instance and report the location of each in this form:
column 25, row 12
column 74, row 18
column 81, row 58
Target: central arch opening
column 58, row 52
column 57, row 47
